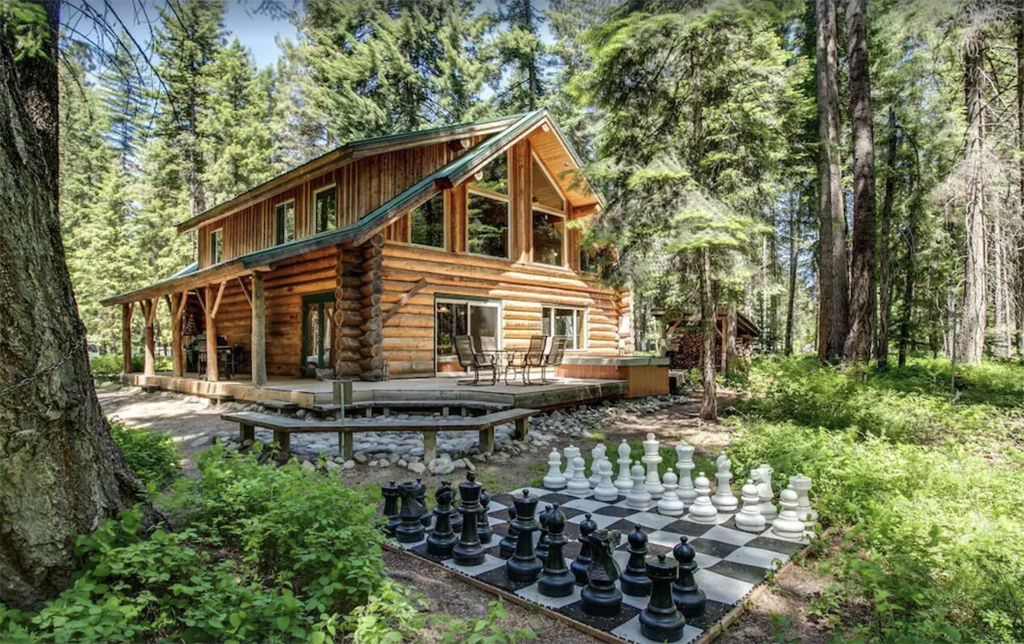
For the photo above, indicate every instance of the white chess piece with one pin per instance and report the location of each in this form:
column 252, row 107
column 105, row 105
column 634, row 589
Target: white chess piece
column 702, row 511
column 578, row 484
column 763, row 478
column 670, row 504
column 652, row 459
column 638, row 498
column 625, row 482
column 684, row 463
column 598, row 456
column 802, row 485
column 554, row 479
column 750, row 518
column 724, row 500
column 605, row 490
column 571, row 453
column 787, row 525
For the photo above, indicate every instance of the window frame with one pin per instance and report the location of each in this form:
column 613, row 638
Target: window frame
column 312, row 208
column 558, row 189
column 444, row 224
column 277, row 222
column 584, row 320
column 497, row 196
column 468, row 300
column 213, row 246
column 547, row 210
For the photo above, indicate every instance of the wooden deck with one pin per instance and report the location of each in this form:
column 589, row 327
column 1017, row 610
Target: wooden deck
column 307, row 392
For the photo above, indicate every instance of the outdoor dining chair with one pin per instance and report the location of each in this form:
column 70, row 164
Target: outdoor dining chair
column 554, row 357
column 532, row 359
column 471, row 358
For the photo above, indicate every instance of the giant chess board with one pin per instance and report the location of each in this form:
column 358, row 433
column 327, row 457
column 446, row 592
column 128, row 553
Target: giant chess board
column 732, row 562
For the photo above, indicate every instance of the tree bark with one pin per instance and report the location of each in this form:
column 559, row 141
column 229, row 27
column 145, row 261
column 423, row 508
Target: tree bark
column 730, row 339
column 906, row 324
column 862, row 269
column 61, row 473
column 1019, row 61
column 882, row 350
column 709, row 405
column 794, row 243
column 833, row 311
column 971, row 334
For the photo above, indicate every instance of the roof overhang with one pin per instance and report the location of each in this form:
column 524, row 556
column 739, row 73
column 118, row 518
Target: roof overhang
column 185, row 282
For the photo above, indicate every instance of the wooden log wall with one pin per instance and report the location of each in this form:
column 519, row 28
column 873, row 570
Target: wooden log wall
column 348, row 320
column 371, row 350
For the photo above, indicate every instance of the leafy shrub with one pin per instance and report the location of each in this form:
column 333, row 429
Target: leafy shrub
column 151, row 455
column 486, row 630
column 109, row 365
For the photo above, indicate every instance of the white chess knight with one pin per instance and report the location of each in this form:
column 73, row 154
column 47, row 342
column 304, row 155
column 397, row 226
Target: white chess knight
column 749, row 518
column 787, row 525
column 763, row 479
column 638, row 498
column 702, row 510
column 578, row 484
column 802, row 486
column 554, row 480
column 598, row 457
column 625, row 482
column 684, row 463
column 670, row 504
column 571, row 453
column 652, row 459
column 724, row 500
column 605, row 489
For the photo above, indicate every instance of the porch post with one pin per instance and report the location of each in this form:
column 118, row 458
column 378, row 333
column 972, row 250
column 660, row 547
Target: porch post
column 149, row 311
column 212, row 374
column 177, row 311
column 259, row 332
column 126, row 337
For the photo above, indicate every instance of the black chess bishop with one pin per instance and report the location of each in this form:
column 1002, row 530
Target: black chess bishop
column 661, row 621
column 582, row 561
column 442, row 539
column 689, row 599
column 634, row 578
column 555, row 578
column 469, row 551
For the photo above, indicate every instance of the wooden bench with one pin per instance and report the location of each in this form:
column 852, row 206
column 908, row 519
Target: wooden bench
column 424, row 405
column 283, row 427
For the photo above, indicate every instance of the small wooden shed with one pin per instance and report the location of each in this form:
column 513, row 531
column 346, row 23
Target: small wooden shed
column 684, row 337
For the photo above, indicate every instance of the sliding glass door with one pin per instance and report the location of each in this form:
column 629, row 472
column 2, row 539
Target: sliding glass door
column 453, row 317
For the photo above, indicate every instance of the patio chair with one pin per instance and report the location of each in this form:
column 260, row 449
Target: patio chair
column 554, row 356
column 533, row 358
column 471, row 359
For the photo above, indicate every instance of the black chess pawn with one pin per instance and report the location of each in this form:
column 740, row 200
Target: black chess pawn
column 442, row 538
column 542, row 543
column 421, row 496
column 524, row 565
column 469, row 551
column 600, row 596
column 582, row 561
column 390, row 492
column 507, row 545
column 409, row 529
column 634, row 578
column 483, row 526
column 661, row 621
column 555, row 579
column 688, row 597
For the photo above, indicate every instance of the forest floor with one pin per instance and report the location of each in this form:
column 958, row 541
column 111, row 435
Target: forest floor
column 783, row 609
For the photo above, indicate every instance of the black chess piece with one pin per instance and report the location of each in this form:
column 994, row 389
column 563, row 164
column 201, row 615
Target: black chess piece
column 390, row 492
column 524, row 565
column 468, row 551
column 455, row 515
column 600, row 596
column 661, row 621
column 689, row 598
column 507, row 545
column 634, row 578
column 555, row 579
column 421, row 496
column 542, row 543
column 582, row 561
column 442, row 538
column 483, row 526
column 409, row 530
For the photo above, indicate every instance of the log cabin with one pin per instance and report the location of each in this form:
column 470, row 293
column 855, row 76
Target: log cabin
column 368, row 260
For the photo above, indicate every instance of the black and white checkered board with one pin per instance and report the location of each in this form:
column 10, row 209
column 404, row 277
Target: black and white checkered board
column 732, row 562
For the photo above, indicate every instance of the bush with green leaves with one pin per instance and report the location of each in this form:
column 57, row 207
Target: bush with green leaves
column 151, row 455
column 109, row 365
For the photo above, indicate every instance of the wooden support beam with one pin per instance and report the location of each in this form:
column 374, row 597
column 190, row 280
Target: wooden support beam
column 245, row 291
column 416, row 288
column 177, row 351
column 258, row 350
column 212, row 372
column 179, row 311
column 149, row 313
column 126, row 337
column 216, row 302
column 202, row 303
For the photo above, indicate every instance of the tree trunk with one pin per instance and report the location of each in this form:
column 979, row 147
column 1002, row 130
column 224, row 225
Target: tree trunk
column 730, row 339
column 971, row 335
column 833, row 311
column 709, row 406
column 882, row 350
column 862, row 270
column 1019, row 61
column 794, row 244
column 61, row 473
column 906, row 324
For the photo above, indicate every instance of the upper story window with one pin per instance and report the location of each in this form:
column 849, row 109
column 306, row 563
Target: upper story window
column 548, row 218
column 284, row 215
column 217, row 246
column 488, row 211
column 426, row 223
column 325, row 209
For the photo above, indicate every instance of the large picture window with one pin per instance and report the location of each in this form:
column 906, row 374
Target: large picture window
column 567, row 322
column 325, row 209
column 217, row 246
column 488, row 211
column 284, row 215
column 426, row 223
column 548, row 218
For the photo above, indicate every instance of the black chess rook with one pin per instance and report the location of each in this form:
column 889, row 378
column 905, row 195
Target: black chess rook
column 661, row 621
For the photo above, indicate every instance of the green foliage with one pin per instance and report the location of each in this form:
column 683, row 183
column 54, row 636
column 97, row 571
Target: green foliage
column 391, row 615
column 109, row 365
column 151, row 455
column 486, row 630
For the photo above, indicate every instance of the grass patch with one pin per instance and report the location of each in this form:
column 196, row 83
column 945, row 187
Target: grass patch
column 151, row 455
